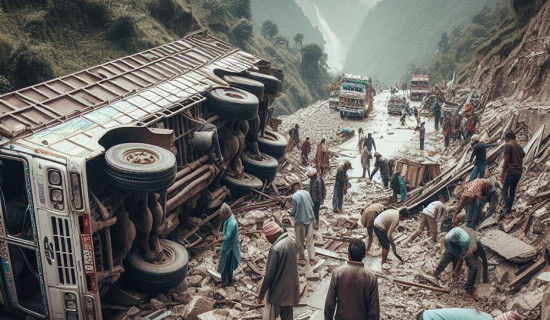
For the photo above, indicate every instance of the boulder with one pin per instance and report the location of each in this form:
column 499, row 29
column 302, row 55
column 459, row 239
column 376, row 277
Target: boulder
column 156, row 304
column 197, row 306
column 485, row 291
column 504, row 272
column 509, row 247
column 133, row 312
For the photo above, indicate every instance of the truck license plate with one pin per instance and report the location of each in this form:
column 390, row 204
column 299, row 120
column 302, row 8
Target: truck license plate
column 87, row 253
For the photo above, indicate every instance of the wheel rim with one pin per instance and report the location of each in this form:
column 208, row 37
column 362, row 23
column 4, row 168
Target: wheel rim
column 167, row 257
column 140, row 156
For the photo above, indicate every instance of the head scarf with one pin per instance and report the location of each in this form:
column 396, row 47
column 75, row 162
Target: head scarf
column 270, row 227
column 475, row 138
column 311, row 172
column 225, row 211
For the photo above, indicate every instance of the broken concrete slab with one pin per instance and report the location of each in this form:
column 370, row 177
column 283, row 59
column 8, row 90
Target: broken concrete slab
column 327, row 253
column 318, row 265
column 545, row 276
column 485, row 291
column 508, row 246
column 215, row 275
column 197, row 306
column 489, row 222
column 527, row 301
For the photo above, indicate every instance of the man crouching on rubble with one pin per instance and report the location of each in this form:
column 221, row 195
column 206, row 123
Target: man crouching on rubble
column 476, row 194
column 384, row 226
column 461, row 245
column 281, row 274
column 353, row 290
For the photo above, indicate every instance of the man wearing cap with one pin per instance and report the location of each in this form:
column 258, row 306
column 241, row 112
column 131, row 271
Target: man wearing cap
column 339, row 185
column 230, row 255
column 302, row 211
column 429, row 218
column 422, row 135
column 384, row 226
column 511, row 171
column 465, row 313
column 476, row 194
column 461, row 245
column 479, row 151
column 368, row 214
column 381, row 164
column 317, row 191
column 353, row 290
column 281, row 282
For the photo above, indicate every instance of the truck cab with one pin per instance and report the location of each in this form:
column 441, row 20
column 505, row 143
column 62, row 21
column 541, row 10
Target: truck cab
column 355, row 96
column 419, row 87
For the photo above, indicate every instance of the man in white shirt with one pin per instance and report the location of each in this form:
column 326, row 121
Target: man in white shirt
column 430, row 217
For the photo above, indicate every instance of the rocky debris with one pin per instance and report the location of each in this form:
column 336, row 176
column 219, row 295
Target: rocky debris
column 527, row 301
column 546, row 303
column 197, row 306
column 508, row 246
column 156, row 304
column 133, row 312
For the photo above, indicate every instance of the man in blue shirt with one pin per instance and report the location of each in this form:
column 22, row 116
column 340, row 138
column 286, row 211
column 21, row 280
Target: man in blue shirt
column 302, row 211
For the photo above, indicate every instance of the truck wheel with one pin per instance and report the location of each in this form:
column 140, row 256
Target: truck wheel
column 265, row 169
column 232, row 103
column 272, row 85
column 273, row 144
column 140, row 167
column 157, row 276
column 242, row 187
column 250, row 85
column 341, row 115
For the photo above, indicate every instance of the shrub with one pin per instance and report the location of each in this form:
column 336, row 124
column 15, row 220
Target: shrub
column 215, row 7
column 123, row 28
column 172, row 15
column 30, row 67
column 5, row 85
column 243, row 30
column 10, row 5
column 240, row 8
column 6, row 48
column 269, row 29
column 98, row 13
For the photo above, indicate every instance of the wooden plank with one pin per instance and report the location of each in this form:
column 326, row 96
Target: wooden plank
column 528, row 272
column 328, row 253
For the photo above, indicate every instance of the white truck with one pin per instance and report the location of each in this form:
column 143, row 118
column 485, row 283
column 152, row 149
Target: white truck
column 356, row 96
column 98, row 167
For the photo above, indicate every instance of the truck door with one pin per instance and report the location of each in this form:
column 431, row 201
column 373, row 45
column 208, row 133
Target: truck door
column 19, row 255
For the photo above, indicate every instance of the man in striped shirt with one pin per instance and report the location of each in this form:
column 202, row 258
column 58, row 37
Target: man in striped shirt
column 476, row 194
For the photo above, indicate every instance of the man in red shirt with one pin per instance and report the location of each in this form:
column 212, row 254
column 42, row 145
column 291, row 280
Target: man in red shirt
column 511, row 171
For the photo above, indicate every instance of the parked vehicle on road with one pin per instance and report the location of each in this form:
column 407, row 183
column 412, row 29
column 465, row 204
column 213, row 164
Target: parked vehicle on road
column 419, row 87
column 396, row 104
column 356, row 96
column 98, row 168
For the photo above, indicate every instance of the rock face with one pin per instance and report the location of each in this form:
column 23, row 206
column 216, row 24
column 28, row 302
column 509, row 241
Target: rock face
column 546, row 303
column 508, row 246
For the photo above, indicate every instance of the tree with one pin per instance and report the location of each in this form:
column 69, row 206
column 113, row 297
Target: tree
column 243, row 30
column 240, row 8
column 269, row 29
column 313, row 68
column 443, row 43
column 281, row 41
column 298, row 39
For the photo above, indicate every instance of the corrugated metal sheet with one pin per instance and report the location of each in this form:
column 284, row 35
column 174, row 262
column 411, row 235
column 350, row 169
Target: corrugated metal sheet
column 64, row 114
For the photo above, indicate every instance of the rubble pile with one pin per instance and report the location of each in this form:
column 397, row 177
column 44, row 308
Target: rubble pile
column 514, row 246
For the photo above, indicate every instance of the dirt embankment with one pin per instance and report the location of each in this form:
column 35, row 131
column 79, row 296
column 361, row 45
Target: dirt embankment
column 521, row 71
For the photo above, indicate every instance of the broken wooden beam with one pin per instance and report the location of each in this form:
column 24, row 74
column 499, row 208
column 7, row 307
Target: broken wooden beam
column 528, row 272
column 328, row 253
column 419, row 285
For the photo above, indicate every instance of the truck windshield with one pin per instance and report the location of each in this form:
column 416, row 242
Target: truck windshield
column 354, row 88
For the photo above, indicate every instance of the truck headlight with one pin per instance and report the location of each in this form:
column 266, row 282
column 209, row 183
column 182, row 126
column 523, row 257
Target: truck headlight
column 56, row 196
column 89, row 306
column 54, row 177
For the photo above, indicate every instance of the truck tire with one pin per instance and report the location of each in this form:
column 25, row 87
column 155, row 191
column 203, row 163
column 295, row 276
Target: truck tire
column 157, row 276
column 273, row 144
column 247, row 84
column 242, row 187
column 232, row 103
column 265, row 169
column 272, row 85
column 140, row 167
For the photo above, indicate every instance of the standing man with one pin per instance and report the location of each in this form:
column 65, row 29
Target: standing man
column 321, row 158
column 381, row 164
column 339, row 185
column 366, row 156
column 369, row 142
column 476, row 194
column 384, row 226
column 368, row 214
column 230, row 255
column 290, row 143
column 417, row 116
column 439, row 100
column 317, row 191
column 353, row 290
column 511, row 171
column 281, row 282
column 479, row 151
column 296, row 136
column 430, row 217
column 306, row 149
column 302, row 211
column 461, row 245
column 446, row 131
column 422, row 136
column 398, row 186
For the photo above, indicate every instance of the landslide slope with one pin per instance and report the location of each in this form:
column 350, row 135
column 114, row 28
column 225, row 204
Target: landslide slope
column 397, row 33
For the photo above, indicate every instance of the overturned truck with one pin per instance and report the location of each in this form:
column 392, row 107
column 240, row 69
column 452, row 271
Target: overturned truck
column 94, row 164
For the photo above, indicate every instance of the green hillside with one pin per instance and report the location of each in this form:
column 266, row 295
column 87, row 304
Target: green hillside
column 42, row 39
column 398, row 33
column 288, row 16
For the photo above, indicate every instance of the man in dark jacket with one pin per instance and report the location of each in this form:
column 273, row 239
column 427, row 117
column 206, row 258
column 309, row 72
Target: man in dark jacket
column 511, row 171
column 296, row 136
column 281, row 282
column 381, row 164
column 422, row 135
column 317, row 191
column 353, row 290
column 369, row 142
column 339, row 185
column 398, row 186
column 479, row 151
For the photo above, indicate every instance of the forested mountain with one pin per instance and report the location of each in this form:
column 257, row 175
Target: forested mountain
column 288, row 16
column 42, row 39
column 398, row 33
